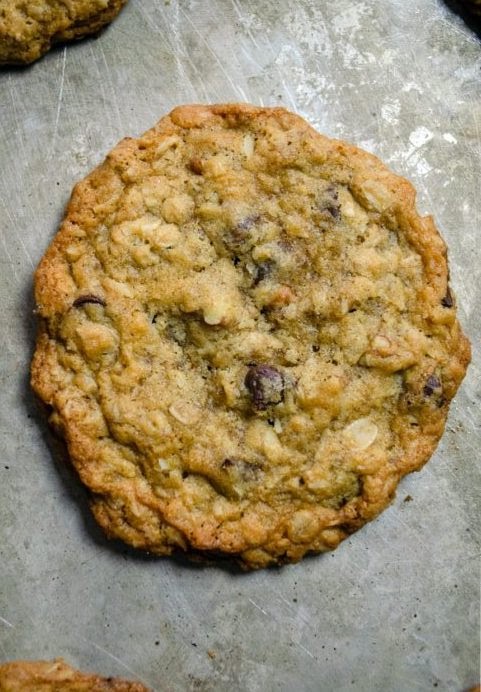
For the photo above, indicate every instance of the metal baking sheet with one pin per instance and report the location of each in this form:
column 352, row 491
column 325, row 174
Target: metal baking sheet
column 396, row 607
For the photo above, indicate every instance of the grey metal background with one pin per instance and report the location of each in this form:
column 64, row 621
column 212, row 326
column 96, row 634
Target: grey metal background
column 396, row 607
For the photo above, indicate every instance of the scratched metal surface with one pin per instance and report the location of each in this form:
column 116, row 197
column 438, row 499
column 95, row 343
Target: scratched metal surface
column 396, row 606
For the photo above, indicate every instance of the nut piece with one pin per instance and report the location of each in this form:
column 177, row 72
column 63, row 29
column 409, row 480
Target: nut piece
column 380, row 343
column 195, row 165
column 265, row 385
column 217, row 311
column 361, row 433
column 185, row 413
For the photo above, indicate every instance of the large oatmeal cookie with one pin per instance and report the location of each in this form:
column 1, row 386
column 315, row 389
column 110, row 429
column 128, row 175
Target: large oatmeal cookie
column 247, row 336
column 56, row 676
column 29, row 28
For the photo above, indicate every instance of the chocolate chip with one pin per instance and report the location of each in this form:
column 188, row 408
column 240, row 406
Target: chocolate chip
column 195, row 165
column 432, row 384
column 329, row 203
column 247, row 223
column 335, row 212
column 447, row 301
column 263, row 269
column 265, row 385
column 88, row 298
column 238, row 236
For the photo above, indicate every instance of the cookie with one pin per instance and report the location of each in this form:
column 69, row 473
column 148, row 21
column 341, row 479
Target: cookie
column 468, row 9
column 247, row 336
column 53, row 676
column 473, row 6
column 29, row 29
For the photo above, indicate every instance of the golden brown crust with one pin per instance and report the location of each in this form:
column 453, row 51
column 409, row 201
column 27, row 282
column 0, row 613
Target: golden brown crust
column 29, row 29
column 218, row 247
column 53, row 676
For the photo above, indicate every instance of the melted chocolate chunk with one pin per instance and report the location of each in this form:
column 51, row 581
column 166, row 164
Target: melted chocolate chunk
column 88, row 298
column 247, row 223
column 432, row 384
column 238, row 236
column 329, row 204
column 447, row 301
column 335, row 212
column 265, row 385
column 263, row 269
column 334, row 209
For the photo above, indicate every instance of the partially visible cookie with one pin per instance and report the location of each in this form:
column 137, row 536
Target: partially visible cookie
column 473, row 6
column 28, row 29
column 57, row 676
column 247, row 336
column 466, row 8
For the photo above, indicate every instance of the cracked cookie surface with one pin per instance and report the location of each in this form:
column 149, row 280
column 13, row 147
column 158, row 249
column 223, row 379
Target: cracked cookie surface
column 247, row 336
column 53, row 676
column 29, row 28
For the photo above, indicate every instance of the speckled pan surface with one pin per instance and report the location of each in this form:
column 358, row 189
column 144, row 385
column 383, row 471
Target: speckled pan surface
column 387, row 610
